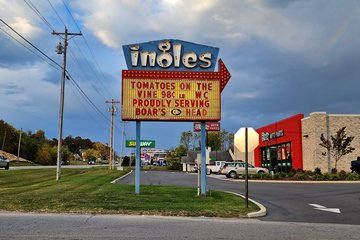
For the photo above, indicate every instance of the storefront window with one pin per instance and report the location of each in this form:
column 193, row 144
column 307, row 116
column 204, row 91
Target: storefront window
column 277, row 158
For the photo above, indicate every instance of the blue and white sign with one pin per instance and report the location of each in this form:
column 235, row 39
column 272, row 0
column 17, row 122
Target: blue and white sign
column 170, row 55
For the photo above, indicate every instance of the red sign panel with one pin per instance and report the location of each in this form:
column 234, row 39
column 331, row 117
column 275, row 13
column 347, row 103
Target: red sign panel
column 209, row 126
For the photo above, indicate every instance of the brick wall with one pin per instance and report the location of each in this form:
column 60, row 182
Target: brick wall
column 328, row 124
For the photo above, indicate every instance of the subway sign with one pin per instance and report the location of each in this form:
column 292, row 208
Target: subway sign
column 185, row 89
column 143, row 143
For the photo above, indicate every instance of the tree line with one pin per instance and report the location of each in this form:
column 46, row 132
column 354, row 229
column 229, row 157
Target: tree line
column 218, row 141
column 38, row 149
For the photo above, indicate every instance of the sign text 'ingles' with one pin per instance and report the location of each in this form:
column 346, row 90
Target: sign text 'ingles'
column 170, row 55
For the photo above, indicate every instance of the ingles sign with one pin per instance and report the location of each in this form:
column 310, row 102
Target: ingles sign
column 170, row 55
column 183, row 94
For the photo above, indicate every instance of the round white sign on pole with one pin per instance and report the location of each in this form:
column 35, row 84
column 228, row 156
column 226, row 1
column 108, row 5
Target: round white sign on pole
column 239, row 139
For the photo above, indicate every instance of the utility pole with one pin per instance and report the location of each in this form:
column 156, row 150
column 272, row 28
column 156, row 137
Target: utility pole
column 62, row 50
column 112, row 110
column 3, row 141
column 19, row 145
column 122, row 146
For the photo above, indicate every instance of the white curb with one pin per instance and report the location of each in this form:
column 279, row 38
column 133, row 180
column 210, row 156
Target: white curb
column 261, row 213
column 122, row 177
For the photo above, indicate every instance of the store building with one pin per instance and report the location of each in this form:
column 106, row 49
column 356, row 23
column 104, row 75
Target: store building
column 294, row 142
column 280, row 145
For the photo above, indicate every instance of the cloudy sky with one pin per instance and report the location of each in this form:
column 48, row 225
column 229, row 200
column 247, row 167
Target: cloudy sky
column 285, row 57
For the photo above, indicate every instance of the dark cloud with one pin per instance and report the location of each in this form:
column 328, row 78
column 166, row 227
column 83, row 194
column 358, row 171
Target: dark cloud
column 288, row 83
column 10, row 89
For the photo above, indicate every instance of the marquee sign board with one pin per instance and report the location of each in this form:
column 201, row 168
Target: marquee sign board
column 176, row 95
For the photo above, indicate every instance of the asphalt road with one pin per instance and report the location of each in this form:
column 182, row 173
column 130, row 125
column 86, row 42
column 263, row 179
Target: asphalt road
column 28, row 226
column 286, row 202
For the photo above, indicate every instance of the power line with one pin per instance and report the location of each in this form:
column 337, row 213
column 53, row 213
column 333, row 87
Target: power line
column 86, row 97
column 89, row 68
column 54, row 64
column 89, row 48
column 57, row 14
column 81, row 99
column 79, row 88
column 32, row 51
column 31, row 44
column 68, row 10
column 38, row 13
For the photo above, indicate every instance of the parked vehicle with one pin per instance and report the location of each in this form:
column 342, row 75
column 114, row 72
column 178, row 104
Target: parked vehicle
column 215, row 168
column 4, row 163
column 233, row 169
column 355, row 165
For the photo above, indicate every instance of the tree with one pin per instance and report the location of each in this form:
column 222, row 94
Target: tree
column 214, row 141
column 196, row 141
column 46, row 155
column 339, row 145
column 174, row 158
column 103, row 150
column 91, row 154
column 126, row 161
column 39, row 136
column 185, row 139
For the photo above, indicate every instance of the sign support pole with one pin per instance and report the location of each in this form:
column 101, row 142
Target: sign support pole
column 203, row 159
column 246, row 168
column 137, row 159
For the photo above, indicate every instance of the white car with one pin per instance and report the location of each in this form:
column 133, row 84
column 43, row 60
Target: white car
column 4, row 163
column 233, row 169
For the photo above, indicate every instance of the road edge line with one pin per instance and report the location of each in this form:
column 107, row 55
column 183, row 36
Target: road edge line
column 261, row 213
column 123, row 176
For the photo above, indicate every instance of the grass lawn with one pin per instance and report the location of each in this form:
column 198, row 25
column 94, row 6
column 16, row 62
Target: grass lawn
column 90, row 191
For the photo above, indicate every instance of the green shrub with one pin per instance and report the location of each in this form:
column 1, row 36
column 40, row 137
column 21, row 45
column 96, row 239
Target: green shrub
column 342, row 175
column 253, row 176
column 333, row 170
column 292, row 172
column 283, row 175
column 264, row 175
column 353, row 177
column 326, row 176
column 277, row 176
column 317, row 171
column 300, row 176
column 334, row 177
column 318, row 177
